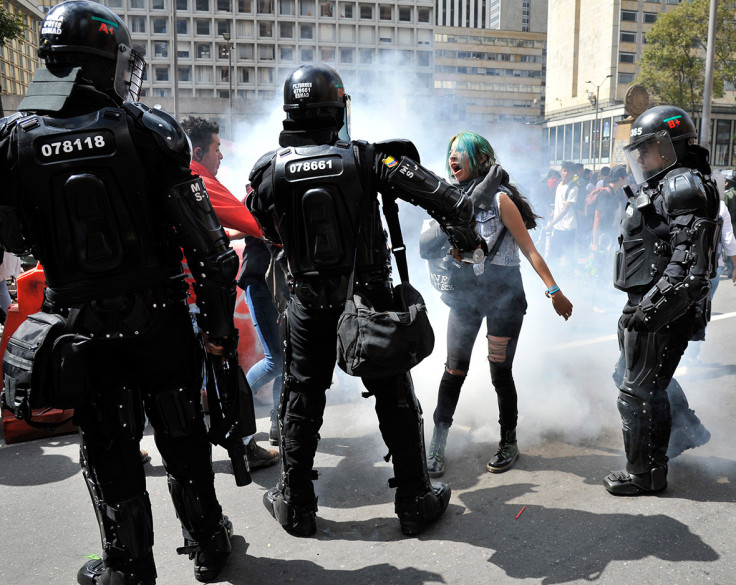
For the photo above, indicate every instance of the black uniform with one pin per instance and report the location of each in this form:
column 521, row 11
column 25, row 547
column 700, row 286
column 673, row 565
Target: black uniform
column 101, row 192
column 666, row 257
column 315, row 199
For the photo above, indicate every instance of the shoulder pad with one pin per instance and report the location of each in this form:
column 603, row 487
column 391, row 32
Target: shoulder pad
column 683, row 192
column 398, row 147
column 257, row 171
column 167, row 131
column 7, row 123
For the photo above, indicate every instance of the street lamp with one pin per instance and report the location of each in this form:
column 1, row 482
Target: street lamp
column 226, row 36
column 595, row 100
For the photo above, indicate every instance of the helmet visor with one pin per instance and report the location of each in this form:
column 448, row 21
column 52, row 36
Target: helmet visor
column 650, row 155
column 129, row 72
column 344, row 133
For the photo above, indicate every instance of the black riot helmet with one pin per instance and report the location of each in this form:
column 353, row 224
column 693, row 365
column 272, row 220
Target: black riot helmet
column 89, row 35
column 660, row 139
column 316, row 104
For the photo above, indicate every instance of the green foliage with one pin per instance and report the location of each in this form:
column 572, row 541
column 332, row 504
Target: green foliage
column 672, row 66
column 12, row 27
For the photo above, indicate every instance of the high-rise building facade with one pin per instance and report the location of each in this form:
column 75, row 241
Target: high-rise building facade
column 594, row 47
column 18, row 60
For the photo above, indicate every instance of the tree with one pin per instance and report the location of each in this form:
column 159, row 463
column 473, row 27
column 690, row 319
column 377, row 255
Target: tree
column 672, row 66
column 12, row 27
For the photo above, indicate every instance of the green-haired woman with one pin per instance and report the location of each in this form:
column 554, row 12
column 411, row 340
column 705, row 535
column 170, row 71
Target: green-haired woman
column 493, row 291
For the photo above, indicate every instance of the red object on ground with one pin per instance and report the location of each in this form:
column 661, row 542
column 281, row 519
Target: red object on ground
column 30, row 298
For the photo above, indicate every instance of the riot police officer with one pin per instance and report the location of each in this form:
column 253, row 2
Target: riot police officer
column 313, row 196
column 667, row 256
column 98, row 187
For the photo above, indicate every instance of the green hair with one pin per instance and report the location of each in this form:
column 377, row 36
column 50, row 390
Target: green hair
column 475, row 146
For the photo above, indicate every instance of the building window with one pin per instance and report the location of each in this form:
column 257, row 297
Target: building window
column 203, row 50
column 265, row 7
column 326, row 8
column 286, row 30
column 182, row 5
column 202, row 5
column 628, row 37
column 629, row 16
column 244, row 6
column 161, row 49
column 404, row 13
column 424, row 14
column 245, row 52
column 161, row 73
column 157, row 5
column 365, row 56
column 423, row 59
column 366, row 11
column 223, row 6
column 265, row 30
column 137, row 24
column 625, row 78
column 346, row 10
column 306, row 8
column 347, row 55
column 650, row 17
column 286, row 53
column 327, row 55
column 203, row 27
column 160, row 25
column 266, row 53
column 286, row 7
column 306, row 31
column 182, row 26
column 307, row 55
column 626, row 57
column 185, row 73
column 385, row 12
column 138, row 4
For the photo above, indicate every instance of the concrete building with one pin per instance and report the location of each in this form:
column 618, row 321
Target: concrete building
column 18, row 61
column 594, row 47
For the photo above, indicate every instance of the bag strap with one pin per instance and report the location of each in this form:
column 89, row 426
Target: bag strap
column 496, row 245
column 391, row 213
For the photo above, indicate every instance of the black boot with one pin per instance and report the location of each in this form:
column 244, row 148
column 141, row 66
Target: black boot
column 436, row 455
column 506, row 455
column 623, row 483
column 210, row 556
column 273, row 433
column 296, row 519
column 417, row 510
column 94, row 573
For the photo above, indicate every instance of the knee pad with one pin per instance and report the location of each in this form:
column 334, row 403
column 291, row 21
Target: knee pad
column 196, row 506
column 176, row 412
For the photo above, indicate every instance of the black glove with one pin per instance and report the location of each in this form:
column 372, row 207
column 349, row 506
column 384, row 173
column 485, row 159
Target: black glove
column 466, row 239
column 636, row 322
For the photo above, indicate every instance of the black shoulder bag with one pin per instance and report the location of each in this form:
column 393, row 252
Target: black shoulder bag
column 380, row 344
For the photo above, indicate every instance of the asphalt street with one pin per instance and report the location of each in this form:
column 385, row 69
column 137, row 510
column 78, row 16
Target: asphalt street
column 546, row 521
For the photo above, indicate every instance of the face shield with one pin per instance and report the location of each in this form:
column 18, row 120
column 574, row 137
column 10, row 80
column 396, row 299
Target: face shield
column 129, row 71
column 344, row 133
column 650, row 155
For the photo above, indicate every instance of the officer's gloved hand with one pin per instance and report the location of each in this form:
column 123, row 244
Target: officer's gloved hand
column 636, row 322
column 467, row 245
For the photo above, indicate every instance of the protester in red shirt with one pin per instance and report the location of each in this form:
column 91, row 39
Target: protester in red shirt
column 233, row 215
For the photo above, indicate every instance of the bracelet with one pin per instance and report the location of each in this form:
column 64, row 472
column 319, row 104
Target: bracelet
column 551, row 290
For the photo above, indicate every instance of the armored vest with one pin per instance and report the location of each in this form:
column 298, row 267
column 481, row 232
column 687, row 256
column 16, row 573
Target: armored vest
column 317, row 193
column 87, row 205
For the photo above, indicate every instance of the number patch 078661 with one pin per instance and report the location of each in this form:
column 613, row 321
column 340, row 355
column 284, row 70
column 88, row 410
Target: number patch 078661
column 58, row 148
column 316, row 167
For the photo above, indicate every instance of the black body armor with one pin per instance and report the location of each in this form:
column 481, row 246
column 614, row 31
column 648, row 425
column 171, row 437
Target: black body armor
column 88, row 213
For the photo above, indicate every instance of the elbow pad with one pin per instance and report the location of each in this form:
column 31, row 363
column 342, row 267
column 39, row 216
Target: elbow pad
column 666, row 302
column 213, row 263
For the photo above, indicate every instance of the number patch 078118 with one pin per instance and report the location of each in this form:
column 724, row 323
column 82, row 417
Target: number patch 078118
column 316, row 167
column 58, row 148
